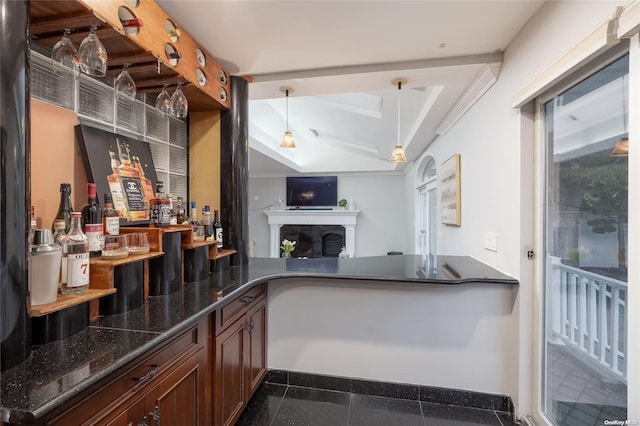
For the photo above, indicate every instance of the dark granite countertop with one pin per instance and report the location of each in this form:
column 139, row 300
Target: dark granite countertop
column 57, row 371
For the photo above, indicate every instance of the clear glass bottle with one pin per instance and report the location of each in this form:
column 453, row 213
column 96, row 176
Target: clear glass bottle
column 75, row 259
column 193, row 219
column 208, row 224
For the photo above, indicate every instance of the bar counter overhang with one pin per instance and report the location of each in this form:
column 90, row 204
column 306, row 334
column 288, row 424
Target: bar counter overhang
column 49, row 377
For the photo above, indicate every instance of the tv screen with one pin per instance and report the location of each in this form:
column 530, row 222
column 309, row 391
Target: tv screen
column 312, row 191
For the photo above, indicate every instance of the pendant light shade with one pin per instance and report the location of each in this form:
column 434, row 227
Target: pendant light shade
column 287, row 139
column 621, row 149
column 398, row 156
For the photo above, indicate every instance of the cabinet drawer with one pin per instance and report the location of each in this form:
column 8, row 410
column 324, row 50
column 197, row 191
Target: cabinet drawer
column 113, row 394
column 237, row 307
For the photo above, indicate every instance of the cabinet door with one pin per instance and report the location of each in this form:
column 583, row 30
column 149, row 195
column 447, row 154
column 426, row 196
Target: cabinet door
column 179, row 399
column 256, row 361
column 229, row 374
column 131, row 416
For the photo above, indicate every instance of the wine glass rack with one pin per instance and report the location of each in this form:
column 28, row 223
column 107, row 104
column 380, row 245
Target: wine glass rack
column 135, row 33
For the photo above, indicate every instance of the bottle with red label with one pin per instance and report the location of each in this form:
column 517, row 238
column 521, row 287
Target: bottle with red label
column 74, row 276
column 92, row 222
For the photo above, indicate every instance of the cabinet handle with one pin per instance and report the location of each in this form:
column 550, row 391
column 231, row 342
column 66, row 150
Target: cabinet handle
column 249, row 326
column 247, row 299
column 155, row 415
column 149, row 374
column 144, row 422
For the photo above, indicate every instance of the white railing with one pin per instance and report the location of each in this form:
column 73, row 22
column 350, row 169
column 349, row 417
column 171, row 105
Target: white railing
column 589, row 312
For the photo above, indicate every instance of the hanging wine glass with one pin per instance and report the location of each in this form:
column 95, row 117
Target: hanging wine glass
column 64, row 57
column 179, row 103
column 93, row 55
column 163, row 101
column 124, row 86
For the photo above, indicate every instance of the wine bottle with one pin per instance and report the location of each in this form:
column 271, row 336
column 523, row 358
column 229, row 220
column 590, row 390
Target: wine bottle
column 217, row 225
column 75, row 259
column 134, row 23
column 110, row 219
column 64, row 209
column 174, row 55
column 92, row 221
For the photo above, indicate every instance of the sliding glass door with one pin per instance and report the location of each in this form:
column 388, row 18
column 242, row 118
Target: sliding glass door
column 584, row 372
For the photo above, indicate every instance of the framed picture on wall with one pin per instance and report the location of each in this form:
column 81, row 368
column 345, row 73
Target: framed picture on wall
column 450, row 191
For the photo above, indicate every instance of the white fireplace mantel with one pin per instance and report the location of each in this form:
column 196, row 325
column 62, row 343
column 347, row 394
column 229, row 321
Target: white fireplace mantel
column 277, row 218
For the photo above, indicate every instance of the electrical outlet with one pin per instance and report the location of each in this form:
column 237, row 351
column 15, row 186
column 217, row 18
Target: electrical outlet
column 491, row 241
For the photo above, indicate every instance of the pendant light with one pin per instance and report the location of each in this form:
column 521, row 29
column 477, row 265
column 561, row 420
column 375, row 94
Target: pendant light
column 287, row 139
column 398, row 156
column 622, row 146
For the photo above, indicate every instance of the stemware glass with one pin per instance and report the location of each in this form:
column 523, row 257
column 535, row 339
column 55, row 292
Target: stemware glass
column 163, row 101
column 93, row 55
column 64, row 57
column 124, row 86
column 179, row 104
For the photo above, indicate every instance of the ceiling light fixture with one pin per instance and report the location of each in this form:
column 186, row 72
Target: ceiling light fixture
column 287, row 139
column 398, row 156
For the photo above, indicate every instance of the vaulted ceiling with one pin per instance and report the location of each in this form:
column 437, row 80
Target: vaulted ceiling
column 340, row 58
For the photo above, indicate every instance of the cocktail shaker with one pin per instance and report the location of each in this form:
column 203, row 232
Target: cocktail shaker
column 46, row 256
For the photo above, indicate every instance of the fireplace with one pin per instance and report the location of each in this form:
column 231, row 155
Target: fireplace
column 314, row 240
column 318, row 233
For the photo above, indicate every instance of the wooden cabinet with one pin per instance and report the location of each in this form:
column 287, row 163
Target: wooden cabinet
column 170, row 384
column 240, row 354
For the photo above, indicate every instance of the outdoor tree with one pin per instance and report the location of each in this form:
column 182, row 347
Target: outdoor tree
column 604, row 180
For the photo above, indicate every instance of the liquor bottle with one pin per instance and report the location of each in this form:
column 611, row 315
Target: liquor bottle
column 34, row 221
column 181, row 214
column 193, row 218
column 217, row 225
column 64, row 209
column 160, row 211
column 115, row 187
column 92, row 221
column 75, row 259
column 173, row 215
column 133, row 23
column 110, row 219
column 209, row 235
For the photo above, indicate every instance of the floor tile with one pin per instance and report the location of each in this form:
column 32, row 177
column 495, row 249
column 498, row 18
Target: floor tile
column 310, row 407
column 263, row 406
column 367, row 410
column 451, row 415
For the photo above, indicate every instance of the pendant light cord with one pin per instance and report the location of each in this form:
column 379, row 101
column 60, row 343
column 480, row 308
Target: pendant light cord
column 399, row 87
column 287, row 96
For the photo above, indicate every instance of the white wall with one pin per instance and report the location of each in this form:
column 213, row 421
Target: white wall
column 435, row 335
column 497, row 183
column 379, row 198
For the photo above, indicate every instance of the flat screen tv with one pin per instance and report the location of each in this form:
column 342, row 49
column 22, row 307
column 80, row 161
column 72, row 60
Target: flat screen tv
column 319, row 191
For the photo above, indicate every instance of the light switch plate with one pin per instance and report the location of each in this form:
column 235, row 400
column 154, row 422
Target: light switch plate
column 491, row 241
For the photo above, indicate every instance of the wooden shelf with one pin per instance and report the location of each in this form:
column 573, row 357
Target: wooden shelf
column 67, row 300
column 197, row 244
column 102, row 261
column 215, row 254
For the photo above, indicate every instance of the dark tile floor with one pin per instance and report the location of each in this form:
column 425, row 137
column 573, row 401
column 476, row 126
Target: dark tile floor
column 280, row 405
